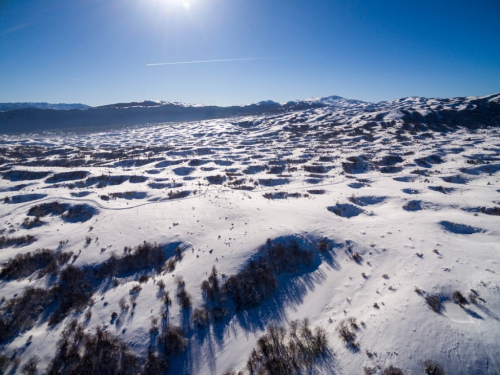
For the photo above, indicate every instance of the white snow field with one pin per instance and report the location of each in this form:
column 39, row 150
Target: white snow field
column 408, row 208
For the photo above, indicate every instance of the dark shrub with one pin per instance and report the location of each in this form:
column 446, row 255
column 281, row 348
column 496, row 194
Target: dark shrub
column 491, row 210
column 432, row 368
column 85, row 353
column 155, row 364
column 200, row 317
column 79, row 213
column 21, row 313
column 53, row 208
column 434, row 302
column 184, row 298
column 30, row 367
column 74, row 291
column 257, row 281
column 16, row 241
column 32, row 223
column 346, row 332
column 459, row 299
column 173, row 341
column 23, row 265
column 144, row 256
column 391, row 370
column 291, row 351
column 323, row 245
column 210, row 287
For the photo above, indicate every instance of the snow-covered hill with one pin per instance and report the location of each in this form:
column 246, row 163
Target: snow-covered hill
column 367, row 216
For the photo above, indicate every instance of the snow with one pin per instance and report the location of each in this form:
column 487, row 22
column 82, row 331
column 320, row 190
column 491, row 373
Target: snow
column 440, row 243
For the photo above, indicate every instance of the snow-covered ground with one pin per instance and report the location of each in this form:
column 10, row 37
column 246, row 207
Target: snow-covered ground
column 415, row 204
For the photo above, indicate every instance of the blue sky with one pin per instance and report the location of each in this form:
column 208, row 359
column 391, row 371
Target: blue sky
column 97, row 51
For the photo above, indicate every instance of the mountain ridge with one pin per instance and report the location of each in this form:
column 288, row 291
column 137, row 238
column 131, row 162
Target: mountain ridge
column 464, row 111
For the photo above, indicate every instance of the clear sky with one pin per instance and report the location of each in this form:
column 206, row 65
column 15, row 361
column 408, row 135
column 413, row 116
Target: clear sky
column 97, row 51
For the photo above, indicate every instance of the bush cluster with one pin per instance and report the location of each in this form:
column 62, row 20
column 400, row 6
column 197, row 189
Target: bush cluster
column 32, row 223
column 16, row 241
column 21, row 313
column 285, row 352
column 257, row 281
column 183, row 297
column 145, row 256
column 432, row 368
column 79, row 352
column 391, row 370
column 491, row 210
column 172, row 340
column 73, row 289
column 459, row 299
column 43, row 260
column 434, row 302
column 44, row 209
column 347, row 331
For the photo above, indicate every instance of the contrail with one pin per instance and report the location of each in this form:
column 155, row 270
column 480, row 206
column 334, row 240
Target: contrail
column 211, row 61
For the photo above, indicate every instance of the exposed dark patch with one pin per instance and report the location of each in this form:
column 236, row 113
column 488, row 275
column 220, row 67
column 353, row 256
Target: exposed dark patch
column 67, row 176
column 15, row 188
column 79, row 213
column 276, row 169
column 482, row 169
column 24, row 175
column 390, row 160
column 208, row 169
column 105, row 180
column 281, row 195
column 391, row 169
column 224, row 163
column 454, row 179
column 178, row 194
column 410, row 191
column 137, row 179
column 253, row 169
column 345, row 210
column 197, row 162
column 273, row 181
column 24, row 198
column 216, row 179
column 367, row 200
column 442, row 189
column 80, row 194
column 405, row 179
column 428, row 161
column 316, row 168
column 356, row 164
column 491, row 210
column 53, row 208
column 413, row 206
column 164, row 185
column 129, row 195
column 183, row 171
column 16, row 241
column 316, row 191
column 460, row 228
column 313, row 181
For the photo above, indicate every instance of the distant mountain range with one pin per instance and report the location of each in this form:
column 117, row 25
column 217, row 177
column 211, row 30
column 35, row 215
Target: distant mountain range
column 34, row 117
column 60, row 106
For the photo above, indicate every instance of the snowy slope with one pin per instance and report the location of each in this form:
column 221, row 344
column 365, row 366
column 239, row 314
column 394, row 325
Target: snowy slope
column 413, row 196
